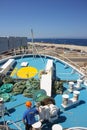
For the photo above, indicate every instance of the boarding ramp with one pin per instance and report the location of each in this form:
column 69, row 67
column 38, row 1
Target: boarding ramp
column 46, row 78
column 7, row 66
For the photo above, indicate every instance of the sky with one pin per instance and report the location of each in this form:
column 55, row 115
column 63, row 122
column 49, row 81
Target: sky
column 47, row 18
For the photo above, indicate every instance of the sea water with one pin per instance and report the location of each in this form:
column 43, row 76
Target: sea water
column 79, row 42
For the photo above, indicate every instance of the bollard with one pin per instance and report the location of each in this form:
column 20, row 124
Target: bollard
column 65, row 99
column 76, row 95
column 79, row 81
column 71, row 86
column 57, row 127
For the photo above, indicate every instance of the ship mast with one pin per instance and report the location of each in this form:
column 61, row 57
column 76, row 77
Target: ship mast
column 34, row 49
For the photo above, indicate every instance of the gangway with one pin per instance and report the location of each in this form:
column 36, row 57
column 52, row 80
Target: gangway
column 46, row 78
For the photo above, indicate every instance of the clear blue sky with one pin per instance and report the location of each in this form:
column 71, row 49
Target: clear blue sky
column 47, row 18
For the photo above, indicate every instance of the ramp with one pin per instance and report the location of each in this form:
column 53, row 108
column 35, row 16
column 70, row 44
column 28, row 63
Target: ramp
column 6, row 67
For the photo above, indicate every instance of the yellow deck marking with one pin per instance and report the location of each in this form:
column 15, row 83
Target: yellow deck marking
column 27, row 72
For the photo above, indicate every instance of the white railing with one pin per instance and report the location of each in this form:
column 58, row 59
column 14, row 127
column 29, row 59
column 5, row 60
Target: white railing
column 13, row 123
column 48, row 52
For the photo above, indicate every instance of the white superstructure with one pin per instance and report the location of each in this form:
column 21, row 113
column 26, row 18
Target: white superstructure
column 46, row 78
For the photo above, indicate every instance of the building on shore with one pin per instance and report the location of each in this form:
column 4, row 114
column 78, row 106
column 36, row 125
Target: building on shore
column 8, row 43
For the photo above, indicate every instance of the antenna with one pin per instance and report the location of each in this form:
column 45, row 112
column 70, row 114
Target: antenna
column 32, row 41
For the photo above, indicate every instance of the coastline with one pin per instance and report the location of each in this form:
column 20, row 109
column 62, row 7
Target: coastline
column 67, row 46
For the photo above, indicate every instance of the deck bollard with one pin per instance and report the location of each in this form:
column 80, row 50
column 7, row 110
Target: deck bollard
column 76, row 95
column 71, row 84
column 65, row 98
column 57, row 127
column 79, row 81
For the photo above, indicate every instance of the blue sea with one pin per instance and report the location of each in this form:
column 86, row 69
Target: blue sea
column 79, row 42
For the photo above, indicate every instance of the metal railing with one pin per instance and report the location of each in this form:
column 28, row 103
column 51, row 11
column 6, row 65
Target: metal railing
column 13, row 123
column 44, row 52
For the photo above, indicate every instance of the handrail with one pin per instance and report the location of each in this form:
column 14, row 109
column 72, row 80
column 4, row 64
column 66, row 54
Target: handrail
column 51, row 53
column 55, row 54
column 79, row 128
column 10, row 121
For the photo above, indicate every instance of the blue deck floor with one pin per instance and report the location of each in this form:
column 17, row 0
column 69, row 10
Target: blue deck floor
column 73, row 117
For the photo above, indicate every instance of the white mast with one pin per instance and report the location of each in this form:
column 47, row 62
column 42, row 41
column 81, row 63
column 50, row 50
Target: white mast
column 33, row 46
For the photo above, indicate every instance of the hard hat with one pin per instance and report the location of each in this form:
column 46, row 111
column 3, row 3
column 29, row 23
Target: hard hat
column 28, row 104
